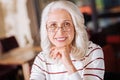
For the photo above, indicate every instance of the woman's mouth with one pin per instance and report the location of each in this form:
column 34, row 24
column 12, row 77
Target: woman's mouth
column 61, row 39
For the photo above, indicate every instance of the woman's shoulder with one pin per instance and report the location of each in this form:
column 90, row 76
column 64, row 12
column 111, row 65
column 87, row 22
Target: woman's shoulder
column 92, row 46
column 44, row 56
column 42, row 53
column 40, row 56
column 94, row 49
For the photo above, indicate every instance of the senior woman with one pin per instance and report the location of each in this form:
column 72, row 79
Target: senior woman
column 66, row 54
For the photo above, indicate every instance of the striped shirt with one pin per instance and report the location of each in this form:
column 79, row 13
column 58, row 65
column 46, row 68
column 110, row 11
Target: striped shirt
column 91, row 67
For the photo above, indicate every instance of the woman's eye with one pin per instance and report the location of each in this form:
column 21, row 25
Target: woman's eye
column 67, row 24
column 52, row 26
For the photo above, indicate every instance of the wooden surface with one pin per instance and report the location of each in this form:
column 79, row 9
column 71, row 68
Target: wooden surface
column 20, row 56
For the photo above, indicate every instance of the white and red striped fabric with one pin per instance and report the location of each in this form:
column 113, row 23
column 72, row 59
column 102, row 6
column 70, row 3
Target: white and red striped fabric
column 91, row 67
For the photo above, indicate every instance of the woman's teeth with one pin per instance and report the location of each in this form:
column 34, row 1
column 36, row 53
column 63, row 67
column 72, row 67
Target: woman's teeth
column 61, row 38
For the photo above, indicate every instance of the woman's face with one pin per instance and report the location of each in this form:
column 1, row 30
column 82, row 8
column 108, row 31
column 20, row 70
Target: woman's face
column 60, row 28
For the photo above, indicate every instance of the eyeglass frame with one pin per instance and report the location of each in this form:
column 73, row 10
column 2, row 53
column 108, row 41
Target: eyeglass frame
column 63, row 27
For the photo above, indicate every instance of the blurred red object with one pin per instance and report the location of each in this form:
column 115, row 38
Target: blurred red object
column 113, row 39
column 86, row 9
column 109, row 57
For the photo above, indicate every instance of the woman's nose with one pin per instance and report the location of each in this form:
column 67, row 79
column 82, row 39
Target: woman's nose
column 60, row 30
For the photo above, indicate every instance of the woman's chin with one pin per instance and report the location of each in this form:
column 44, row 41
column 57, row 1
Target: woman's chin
column 60, row 45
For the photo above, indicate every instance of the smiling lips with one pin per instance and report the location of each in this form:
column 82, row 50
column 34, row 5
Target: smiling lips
column 61, row 39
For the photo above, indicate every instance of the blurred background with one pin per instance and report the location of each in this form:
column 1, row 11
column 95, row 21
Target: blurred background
column 19, row 34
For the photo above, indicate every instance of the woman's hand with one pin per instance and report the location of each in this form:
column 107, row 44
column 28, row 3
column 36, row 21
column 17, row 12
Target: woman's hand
column 63, row 54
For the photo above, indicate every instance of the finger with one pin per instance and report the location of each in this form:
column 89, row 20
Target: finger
column 55, row 54
column 59, row 56
column 52, row 48
column 52, row 51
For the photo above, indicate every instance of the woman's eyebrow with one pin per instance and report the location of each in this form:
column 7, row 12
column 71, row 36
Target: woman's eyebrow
column 51, row 22
column 67, row 20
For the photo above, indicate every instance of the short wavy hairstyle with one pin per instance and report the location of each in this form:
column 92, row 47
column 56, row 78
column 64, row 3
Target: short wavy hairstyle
column 80, row 42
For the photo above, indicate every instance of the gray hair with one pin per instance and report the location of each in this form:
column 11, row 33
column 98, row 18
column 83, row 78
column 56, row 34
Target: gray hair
column 80, row 42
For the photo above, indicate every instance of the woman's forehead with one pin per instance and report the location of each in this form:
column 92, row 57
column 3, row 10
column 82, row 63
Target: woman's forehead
column 58, row 14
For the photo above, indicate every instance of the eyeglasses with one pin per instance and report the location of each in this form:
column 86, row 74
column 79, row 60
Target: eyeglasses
column 65, row 26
